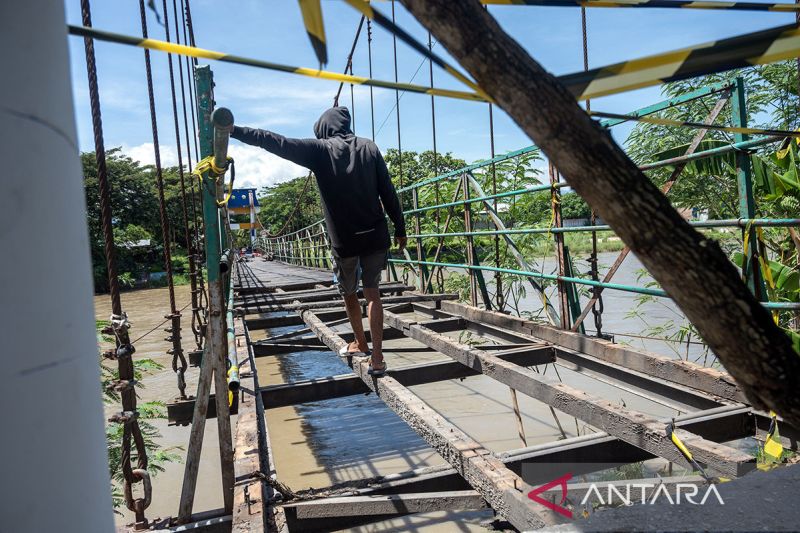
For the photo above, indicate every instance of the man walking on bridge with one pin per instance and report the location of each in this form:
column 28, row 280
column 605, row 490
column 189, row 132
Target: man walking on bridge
column 353, row 182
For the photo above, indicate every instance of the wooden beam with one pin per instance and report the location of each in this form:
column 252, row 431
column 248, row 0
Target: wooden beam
column 298, row 306
column 345, row 512
column 501, row 488
column 675, row 370
column 628, row 425
column 267, row 322
column 267, row 289
column 580, row 455
column 312, row 296
column 268, row 348
column 601, row 370
column 179, row 412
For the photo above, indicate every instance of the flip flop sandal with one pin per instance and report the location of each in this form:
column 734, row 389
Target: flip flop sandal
column 345, row 353
column 377, row 373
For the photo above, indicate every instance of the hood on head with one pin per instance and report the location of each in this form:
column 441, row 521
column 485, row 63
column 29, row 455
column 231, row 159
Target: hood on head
column 333, row 122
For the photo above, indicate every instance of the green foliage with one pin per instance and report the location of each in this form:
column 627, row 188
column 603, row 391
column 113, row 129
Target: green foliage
column 135, row 210
column 180, row 264
column 279, row 201
column 126, row 280
column 573, row 206
column 772, row 102
column 459, row 284
column 130, row 235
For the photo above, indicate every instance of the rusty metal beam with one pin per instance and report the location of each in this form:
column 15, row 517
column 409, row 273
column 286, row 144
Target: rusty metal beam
column 345, row 512
column 253, row 461
column 675, row 370
column 580, row 455
column 268, row 289
column 630, row 426
column 268, row 322
column 313, row 296
column 501, row 488
column 179, row 412
column 338, row 303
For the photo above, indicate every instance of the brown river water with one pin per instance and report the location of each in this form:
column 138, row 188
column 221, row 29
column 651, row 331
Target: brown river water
column 321, row 443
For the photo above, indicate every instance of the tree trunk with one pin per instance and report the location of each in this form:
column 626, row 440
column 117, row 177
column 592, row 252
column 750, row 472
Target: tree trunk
column 691, row 268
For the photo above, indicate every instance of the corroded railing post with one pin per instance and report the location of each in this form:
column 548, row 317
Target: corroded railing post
column 212, row 141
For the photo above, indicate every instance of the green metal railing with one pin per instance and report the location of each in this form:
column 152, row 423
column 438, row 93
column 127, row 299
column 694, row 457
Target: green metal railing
column 308, row 246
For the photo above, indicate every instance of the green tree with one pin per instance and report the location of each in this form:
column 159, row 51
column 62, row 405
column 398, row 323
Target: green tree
column 135, row 209
column 279, row 201
column 711, row 184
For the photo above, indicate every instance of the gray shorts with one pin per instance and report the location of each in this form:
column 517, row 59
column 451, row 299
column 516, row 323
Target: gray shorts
column 368, row 268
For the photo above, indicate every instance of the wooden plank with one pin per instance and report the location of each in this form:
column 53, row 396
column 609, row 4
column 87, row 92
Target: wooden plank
column 267, row 289
column 675, row 370
column 544, row 462
column 641, row 384
column 424, row 502
column 351, row 511
column 320, row 389
column 345, row 512
column 267, row 322
column 501, row 488
column 269, row 348
column 628, row 425
column 313, row 296
column 299, row 306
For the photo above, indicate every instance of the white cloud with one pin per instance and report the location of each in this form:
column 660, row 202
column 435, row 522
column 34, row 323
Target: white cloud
column 144, row 154
column 255, row 167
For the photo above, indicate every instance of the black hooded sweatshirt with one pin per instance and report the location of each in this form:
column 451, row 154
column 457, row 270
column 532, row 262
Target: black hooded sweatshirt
column 352, row 178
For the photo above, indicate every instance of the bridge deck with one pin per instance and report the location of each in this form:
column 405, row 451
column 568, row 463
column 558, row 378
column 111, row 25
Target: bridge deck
column 431, row 339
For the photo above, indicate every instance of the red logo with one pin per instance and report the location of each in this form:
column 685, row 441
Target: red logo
column 562, row 481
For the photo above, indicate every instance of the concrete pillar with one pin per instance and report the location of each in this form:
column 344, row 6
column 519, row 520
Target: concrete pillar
column 52, row 443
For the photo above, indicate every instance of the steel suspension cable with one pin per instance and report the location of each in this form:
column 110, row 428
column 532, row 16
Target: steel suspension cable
column 397, row 104
column 181, row 371
column 369, row 58
column 437, row 190
column 195, row 269
column 349, row 64
column 119, row 320
column 597, row 308
column 188, row 36
column 175, row 316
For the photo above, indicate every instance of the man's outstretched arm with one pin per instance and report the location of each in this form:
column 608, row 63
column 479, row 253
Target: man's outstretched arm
column 391, row 202
column 304, row 152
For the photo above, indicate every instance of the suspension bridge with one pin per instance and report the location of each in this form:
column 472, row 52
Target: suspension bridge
column 282, row 303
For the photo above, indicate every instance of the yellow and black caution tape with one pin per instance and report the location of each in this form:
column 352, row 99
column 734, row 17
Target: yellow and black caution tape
column 315, row 27
column 773, row 449
column 207, row 165
column 365, row 9
column 679, row 4
column 191, row 51
column 756, row 48
column 766, row 46
column 698, row 125
column 670, row 432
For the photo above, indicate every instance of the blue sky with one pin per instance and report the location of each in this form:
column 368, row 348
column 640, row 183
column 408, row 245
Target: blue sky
column 289, row 104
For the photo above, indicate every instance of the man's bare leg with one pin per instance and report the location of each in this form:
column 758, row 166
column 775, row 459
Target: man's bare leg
column 354, row 315
column 375, row 313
